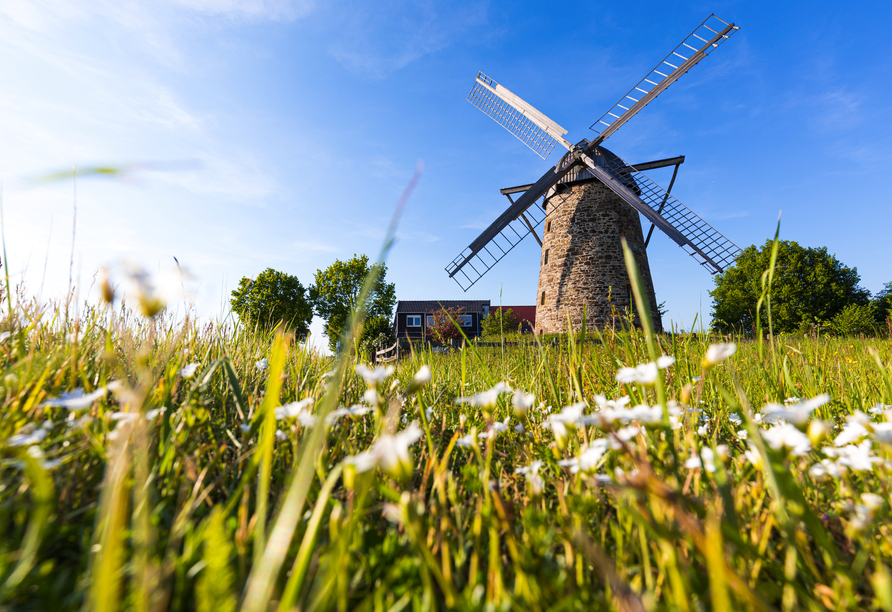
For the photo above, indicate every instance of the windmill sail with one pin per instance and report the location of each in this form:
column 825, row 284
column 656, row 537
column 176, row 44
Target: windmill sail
column 519, row 117
column 698, row 44
column 505, row 232
column 701, row 241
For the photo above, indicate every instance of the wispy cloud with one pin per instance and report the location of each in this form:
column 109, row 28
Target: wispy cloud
column 377, row 39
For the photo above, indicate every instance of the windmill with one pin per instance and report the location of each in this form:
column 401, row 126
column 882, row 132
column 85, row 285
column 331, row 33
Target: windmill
column 591, row 198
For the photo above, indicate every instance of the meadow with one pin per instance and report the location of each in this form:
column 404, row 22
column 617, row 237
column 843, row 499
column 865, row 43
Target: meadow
column 155, row 464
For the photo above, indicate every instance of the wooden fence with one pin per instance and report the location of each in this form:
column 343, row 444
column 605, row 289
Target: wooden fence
column 386, row 355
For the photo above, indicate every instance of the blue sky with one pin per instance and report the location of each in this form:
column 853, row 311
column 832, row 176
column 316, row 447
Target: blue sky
column 294, row 127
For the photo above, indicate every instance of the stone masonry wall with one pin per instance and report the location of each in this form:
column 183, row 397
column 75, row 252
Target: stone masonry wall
column 585, row 262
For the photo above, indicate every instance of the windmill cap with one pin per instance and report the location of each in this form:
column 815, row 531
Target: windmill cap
column 602, row 157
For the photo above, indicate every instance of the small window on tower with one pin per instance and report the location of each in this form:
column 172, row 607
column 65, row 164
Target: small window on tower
column 548, row 227
column 542, row 301
column 545, row 259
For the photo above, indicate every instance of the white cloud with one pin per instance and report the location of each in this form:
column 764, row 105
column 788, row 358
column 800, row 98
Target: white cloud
column 376, row 39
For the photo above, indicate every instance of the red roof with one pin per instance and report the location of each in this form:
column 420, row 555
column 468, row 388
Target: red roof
column 523, row 313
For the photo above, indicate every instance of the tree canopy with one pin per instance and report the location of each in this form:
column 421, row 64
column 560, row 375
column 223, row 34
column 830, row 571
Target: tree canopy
column 335, row 294
column 500, row 321
column 882, row 304
column 271, row 298
column 810, row 286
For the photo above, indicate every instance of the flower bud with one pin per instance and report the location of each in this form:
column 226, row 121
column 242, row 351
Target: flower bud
column 818, row 430
column 105, row 287
column 535, row 486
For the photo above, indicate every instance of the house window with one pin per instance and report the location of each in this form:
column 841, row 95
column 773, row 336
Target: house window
column 542, row 301
column 430, row 320
column 545, row 261
column 413, row 320
column 466, row 320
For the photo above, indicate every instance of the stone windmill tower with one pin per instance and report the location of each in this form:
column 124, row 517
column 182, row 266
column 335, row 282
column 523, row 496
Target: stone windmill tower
column 590, row 200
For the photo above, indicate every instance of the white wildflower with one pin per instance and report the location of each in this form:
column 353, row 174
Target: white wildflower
column 499, row 428
column 467, row 440
column 245, row 427
column 734, row 419
column 883, row 432
column 536, row 484
column 573, row 464
column 717, row 353
column 879, row 408
column 76, row 400
column 742, row 434
column 665, row 361
column 857, row 458
column 800, row 413
column 189, row 370
column 827, row 467
column 872, row 500
column 280, row 435
column 642, row 413
column 560, row 432
column 151, row 414
column 752, row 455
column 532, row 468
column 423, row 375
column 645, row 374
column 787, row 437
column 693, row 462
column 371, row 397
column 603, row 402
column 373, row 377
column 27, row 436
column 390, row 453
column 354, row 412
column 863, row 517
column 569, row 416
column 262, row 364
column 522, row 402
column 294, row 409
column 130, row 417
column 852, row 432
column 702, row 430
column 626, row 433
column 591, row 455
column 485, row 399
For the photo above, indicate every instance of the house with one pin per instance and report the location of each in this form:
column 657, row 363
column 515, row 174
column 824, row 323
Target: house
column 413, row 317
column 525, row 314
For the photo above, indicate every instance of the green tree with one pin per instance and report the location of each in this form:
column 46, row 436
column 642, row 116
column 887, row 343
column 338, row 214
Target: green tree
column 810, row 286
column 853, row 320
column 271, row 298
column 500, row 321
column 377, row 333
column 882, row 304
column 335, row 294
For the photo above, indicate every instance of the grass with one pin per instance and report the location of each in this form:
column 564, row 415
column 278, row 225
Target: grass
column 220, row 502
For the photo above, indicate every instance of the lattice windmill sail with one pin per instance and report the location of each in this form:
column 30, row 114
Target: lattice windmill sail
column 588, row 162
